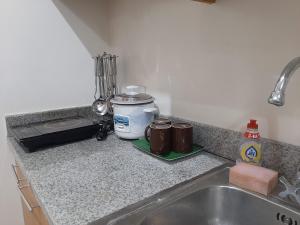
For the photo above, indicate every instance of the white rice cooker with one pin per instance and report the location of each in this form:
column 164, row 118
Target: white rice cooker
column 132, row 114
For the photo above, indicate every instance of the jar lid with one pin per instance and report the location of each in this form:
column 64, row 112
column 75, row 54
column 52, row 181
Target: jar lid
column 160, row 126
column 182, row 125
column 134, row 99
column 162, row 120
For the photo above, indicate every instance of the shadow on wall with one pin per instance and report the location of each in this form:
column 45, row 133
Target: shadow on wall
column 89, row 20
column 215, row 64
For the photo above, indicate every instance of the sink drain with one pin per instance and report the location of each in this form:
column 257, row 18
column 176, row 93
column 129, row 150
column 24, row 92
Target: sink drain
column 286, row 220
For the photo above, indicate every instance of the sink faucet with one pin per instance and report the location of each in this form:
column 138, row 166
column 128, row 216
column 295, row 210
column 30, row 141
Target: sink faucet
column 278, row 95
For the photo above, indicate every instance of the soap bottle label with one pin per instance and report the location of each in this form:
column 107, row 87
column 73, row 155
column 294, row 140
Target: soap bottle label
column 251, row 152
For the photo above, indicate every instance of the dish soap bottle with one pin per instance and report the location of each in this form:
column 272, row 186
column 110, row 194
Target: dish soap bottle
column 250, row 150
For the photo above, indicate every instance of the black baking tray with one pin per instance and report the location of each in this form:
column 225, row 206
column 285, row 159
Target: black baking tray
column 55, row 132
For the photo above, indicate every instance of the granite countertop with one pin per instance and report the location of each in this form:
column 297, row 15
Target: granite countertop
column 82, row 182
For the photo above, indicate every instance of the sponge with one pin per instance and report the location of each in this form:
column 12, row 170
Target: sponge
column 253, row 178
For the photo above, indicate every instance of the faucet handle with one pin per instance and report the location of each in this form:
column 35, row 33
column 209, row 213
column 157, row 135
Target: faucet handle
column 287, row 186
column 291, row 192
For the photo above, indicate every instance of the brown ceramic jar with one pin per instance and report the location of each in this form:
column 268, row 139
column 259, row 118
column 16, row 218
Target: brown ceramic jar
column 182, row 137
column 160, row 138
column 158, row 121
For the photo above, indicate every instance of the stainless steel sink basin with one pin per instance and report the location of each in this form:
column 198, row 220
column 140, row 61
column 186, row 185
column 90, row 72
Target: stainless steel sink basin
column 207, row 200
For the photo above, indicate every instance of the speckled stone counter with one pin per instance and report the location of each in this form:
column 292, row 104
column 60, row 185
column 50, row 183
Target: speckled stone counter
column 82, row 182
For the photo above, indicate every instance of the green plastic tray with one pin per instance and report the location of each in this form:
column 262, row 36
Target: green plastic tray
column 144, row 146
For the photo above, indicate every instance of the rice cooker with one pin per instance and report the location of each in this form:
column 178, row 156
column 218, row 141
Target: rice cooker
column 132, row 114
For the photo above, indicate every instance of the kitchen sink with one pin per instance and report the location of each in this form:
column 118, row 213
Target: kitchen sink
column 207, row 200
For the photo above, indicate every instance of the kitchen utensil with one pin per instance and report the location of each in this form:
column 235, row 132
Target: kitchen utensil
column 114, row 74
column 144, row 146
column 105, row 82
column 160, row 138
column 99, row 106
column 111, row 84
column 182, row 137
column 96, row 83
column 103, row 85
column 105, row 74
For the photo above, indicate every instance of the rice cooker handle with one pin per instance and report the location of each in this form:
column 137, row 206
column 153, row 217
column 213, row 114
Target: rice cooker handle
column 153, row 110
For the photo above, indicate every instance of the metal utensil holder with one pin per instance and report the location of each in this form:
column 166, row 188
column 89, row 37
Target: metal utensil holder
column 106, row 77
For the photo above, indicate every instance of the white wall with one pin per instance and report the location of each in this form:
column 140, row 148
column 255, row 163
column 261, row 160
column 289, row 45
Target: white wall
column 216, row 64
column 43, row 65
column 88, row 19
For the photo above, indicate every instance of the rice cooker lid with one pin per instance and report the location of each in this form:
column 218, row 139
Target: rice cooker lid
column 135, row 99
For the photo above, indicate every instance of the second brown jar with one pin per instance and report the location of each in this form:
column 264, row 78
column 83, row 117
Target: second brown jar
column 160, row 138
column 182, row 137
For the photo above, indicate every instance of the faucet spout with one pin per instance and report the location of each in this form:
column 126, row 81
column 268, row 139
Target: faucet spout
column 278, row 94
